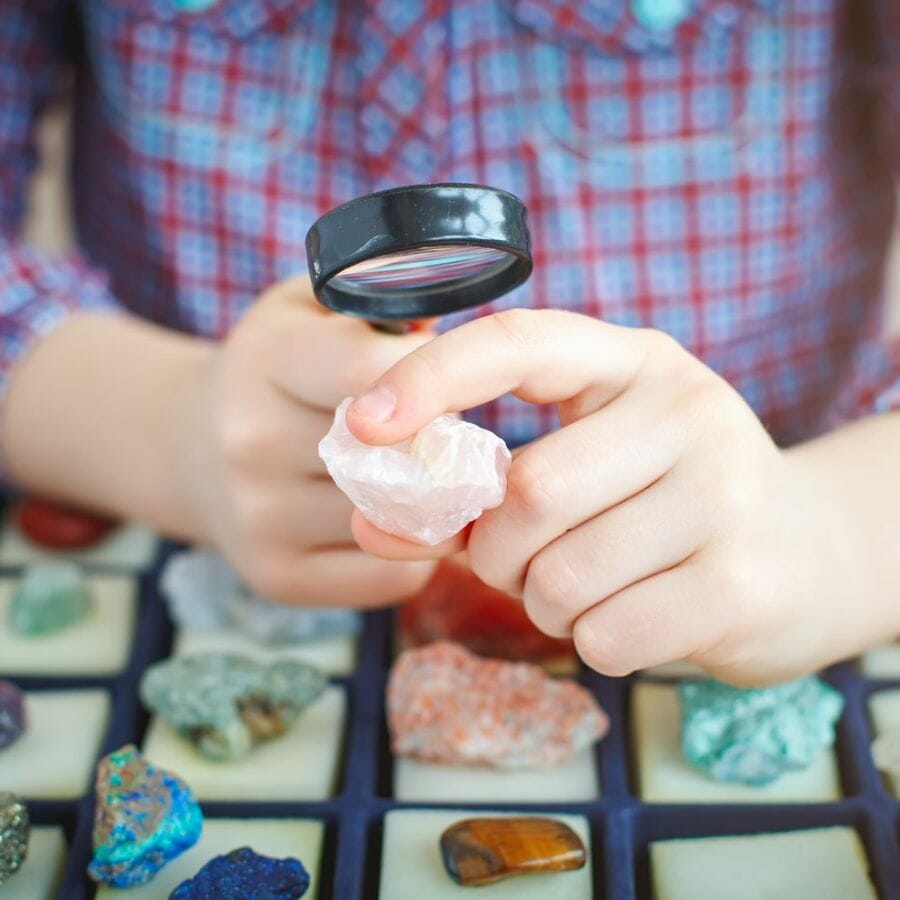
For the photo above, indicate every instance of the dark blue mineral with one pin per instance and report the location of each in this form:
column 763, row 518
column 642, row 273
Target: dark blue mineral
column 244, row 874
column 12, row 714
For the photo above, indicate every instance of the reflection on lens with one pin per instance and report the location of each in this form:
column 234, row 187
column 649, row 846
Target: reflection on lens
column 422, row 268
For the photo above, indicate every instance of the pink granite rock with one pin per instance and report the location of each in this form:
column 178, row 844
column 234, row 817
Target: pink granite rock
column 446, row 705
column 425, row 489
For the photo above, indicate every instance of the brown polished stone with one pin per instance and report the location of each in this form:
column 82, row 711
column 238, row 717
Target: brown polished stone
column 485, row 850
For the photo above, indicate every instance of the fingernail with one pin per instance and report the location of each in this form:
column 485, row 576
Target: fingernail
column 377, row 404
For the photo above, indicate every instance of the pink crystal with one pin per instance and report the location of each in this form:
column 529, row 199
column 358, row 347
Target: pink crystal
column 425, row 489
column 446, row 705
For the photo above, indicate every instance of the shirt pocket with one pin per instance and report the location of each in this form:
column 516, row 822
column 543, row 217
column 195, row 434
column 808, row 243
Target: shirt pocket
column 231, row 84
column 632, row 105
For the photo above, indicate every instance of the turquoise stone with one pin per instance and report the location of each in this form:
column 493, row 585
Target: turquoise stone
column 661, row 15
column 754, row 736
column 145, row 817
column 14, row 830
column 50, row 596
column 225, row 703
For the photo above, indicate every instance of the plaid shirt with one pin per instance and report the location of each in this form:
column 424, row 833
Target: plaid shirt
column 718, row 172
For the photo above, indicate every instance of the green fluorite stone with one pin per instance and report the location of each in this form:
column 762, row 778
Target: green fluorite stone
column 50, row 596
column 754, row 735
column 225, row 703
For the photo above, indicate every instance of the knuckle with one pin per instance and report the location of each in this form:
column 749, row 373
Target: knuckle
column 520, row 327
column 552, row 591
column 602, row 650
column 533, row 486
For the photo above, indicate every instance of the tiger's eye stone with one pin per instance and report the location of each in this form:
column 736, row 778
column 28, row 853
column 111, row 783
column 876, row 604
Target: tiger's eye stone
column 14, row 830
column 60, row 527
column 482, row 851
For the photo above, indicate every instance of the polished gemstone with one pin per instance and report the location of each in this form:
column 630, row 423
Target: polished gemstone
column 58, row 527
column 755, row 735
column 457, row 606
column 145, row 817
column 50, row 596
column 484, row 850
column 226, row 703
column 204, row 593
column 446, row 705
column 425, row 489
column 12, row 714
column 14, row 828
column 246, row 874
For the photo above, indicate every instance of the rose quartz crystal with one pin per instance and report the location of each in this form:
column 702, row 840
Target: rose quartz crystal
column 425, row 489
column 448, row 706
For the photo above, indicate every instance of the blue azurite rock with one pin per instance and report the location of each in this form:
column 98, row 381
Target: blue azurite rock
column 246, row 874
column 754, row 736
column 145, row 817
column 12, row 714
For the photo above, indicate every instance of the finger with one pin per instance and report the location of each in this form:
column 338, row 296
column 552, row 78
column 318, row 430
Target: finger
column 571, row 476
column 344, row 577
column 650, row 533
column 388, row 546
column 309, row 513
column 542, row 356
column 319, row 358
column 670, row 616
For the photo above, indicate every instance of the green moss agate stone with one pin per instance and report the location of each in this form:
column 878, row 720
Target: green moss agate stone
column 145, row 817
column 14, row 829
column 50, row 596
column 755, row 735
column 225, row 703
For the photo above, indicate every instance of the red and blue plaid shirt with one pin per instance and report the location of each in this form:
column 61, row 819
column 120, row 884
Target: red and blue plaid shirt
column 723, row 174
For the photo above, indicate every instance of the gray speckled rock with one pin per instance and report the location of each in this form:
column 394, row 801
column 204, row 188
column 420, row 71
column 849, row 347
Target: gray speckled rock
column 754, row 736
column 226, row 703
column 204, row 593
column 14, row 830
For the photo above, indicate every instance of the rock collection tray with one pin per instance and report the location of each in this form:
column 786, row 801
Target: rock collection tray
column 336, row 803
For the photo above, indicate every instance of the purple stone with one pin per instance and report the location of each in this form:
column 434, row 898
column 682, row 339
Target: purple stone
column 12, row 714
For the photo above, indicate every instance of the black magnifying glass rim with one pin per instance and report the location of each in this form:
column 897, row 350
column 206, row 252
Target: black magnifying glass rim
column 417, row 217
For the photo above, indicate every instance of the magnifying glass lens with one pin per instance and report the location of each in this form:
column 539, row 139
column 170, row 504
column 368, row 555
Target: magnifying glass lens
column 425, row 267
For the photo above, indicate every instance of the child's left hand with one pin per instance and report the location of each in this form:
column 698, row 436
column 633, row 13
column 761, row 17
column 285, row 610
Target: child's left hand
column 660, row 522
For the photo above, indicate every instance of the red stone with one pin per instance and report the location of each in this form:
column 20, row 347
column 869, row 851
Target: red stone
column 60, row 527
column 456, row 606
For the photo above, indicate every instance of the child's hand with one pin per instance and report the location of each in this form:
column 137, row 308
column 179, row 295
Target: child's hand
column 252, row 471
column 660, row 522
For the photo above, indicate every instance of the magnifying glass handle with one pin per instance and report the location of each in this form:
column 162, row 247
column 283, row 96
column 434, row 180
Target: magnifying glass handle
column 393, row 326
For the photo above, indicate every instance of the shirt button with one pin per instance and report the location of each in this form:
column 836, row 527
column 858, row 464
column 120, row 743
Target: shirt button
column 194, row 6
column 661, row 15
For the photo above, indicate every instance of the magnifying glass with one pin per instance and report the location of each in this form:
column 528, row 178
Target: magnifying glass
column 419, row 252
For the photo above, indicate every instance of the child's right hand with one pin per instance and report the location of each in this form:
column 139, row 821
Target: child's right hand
column 252, row 474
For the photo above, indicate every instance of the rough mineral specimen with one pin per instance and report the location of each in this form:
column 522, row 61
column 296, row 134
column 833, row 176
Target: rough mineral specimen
column 226, row 703
column 754, row 736
column 425, row 489
column 204, row 593
column 12, row 714
column 14, row 828
column 886, row 752
column 484, row 850
column 145, row 817
column 60, row 527
column 50, row 596
column 246, row 874
column 456, row 606
column 446, row 705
